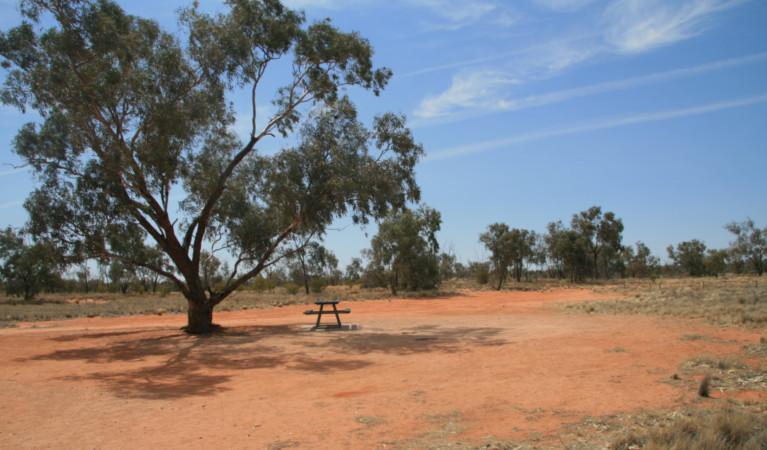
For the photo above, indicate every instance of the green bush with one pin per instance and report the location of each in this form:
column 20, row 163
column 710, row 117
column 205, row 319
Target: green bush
column 317, row 285
column 165, row 290
column 483, row 276
column 261, row 284
column 291, row 288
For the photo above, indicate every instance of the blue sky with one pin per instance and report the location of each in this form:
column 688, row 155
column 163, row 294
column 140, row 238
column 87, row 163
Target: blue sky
column 533, row 110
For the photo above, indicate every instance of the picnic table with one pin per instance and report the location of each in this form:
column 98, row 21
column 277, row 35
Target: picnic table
column 335, row 311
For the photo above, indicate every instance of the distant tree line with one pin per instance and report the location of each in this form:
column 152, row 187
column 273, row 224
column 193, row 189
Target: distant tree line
column 405, row 256
column 592, row 248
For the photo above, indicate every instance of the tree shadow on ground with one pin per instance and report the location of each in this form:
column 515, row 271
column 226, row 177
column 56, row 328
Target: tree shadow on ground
column 167, row 365
column 75, row 337
column 417, row 340
column 175, row 365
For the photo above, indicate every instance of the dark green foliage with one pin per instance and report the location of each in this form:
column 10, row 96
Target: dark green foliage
column 715, row 261
column 602, row 236
column 291, row 288
column 510, row 250
column 404, row 253
column 689, row 256
column 354, row 270
column 311, row 261
column 640, row 263
column 317, row 285
column 482, row 276
column 261, row 284
column 27, row 270
column 496, row 240
column 568, row 250
column 131, row 112
column 750, row 244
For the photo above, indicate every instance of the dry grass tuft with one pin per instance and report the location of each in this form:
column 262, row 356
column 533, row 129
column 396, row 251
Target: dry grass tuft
column 689, row 429
column 726, row 429
column 729, row 374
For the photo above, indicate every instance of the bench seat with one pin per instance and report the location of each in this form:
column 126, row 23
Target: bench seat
column 340, row 311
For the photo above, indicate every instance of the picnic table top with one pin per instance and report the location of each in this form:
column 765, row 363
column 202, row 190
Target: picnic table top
column 326, row 302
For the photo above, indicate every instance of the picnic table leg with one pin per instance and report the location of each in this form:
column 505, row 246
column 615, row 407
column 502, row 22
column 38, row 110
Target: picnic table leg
column 338, row 319
column 319, row 316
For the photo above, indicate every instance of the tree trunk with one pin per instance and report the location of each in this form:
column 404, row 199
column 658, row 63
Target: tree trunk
column 394, row 283
column 200, row 318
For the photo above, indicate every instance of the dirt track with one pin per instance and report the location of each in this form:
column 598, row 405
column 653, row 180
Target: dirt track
column 418, row 373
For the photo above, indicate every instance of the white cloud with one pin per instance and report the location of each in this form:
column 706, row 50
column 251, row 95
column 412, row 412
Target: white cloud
column 489, row 89
column 627, row 83
column 627, row 26
column 323, row 4
column 635, row 26
column 456, row 14
column 456, row 11
column 476, row 89
column 13, row 171
column 602, row 124
column 11, row 204
column 446, row 14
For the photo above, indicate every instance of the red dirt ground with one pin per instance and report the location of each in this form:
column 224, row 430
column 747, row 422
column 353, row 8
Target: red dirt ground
column 462, row 368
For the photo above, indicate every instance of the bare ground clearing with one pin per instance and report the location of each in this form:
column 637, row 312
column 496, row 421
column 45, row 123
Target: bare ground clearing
column 421, row 373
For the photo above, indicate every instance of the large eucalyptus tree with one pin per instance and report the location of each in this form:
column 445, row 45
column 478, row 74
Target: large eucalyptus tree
column 133, row 115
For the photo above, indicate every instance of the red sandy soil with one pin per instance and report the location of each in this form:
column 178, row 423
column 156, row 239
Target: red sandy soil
column 484, row 364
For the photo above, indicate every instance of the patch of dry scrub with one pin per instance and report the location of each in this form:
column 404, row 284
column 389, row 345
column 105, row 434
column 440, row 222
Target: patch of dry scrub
column 734, row 301
column 698, row 429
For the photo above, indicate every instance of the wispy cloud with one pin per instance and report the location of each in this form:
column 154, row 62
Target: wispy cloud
column 635, row 26
column 459, row 64
column 486, row 88
column 625, row 27
column 11, row 204
column 13, row 171
column 441, row 14
column 324, row 4
column 562, row 5
column 596, row 125
column 456, row 14
column 479, row 91
column 469, row 90
column 456, row 11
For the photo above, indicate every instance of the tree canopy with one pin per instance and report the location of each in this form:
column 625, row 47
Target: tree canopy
column 602, row 234
column 750, row 243
column 509, row 250
column 134, row 116
column 405, row 252
column 690, row 256
column 28, row 269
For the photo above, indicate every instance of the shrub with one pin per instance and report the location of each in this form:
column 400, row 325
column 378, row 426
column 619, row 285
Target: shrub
column 261, row 284
column 483, row 276
column 165, row 290
column 317, row 285
column 291, row 288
